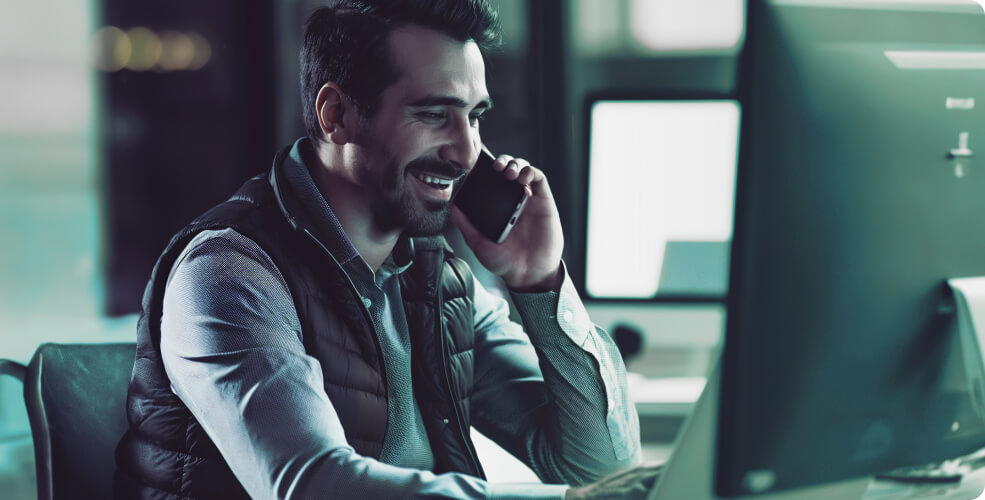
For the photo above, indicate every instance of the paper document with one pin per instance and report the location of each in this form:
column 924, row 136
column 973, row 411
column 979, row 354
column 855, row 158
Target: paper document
column 969, row 299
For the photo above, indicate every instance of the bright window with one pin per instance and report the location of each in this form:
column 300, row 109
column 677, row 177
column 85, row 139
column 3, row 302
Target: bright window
column 671, row 25
column 657, row 27
column 660, row 201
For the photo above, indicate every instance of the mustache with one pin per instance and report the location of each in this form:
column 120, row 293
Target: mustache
column 437, row 167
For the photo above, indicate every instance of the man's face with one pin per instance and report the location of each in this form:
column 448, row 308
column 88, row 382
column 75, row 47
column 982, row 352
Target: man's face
column 424, row 135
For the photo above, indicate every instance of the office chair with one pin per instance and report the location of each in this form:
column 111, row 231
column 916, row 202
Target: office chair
column 75, row 396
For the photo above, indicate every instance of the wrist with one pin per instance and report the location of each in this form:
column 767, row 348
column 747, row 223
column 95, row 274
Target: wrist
column 539, row 284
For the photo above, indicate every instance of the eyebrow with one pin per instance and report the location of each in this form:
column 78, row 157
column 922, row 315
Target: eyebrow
column 442, row 100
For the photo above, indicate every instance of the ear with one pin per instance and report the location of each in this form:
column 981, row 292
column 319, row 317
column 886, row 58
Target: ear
column 333, row 106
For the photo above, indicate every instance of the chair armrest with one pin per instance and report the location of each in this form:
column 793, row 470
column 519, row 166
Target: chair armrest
column 13, row 368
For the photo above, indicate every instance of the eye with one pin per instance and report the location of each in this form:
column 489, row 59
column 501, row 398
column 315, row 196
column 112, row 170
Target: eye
column 430, row 116
column 475, row 118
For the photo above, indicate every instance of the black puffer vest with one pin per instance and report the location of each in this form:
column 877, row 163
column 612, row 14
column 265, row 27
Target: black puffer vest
column 167, row 455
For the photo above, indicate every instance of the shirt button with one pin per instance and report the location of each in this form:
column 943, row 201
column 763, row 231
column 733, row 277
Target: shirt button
column 568, row 316
column 368, row 303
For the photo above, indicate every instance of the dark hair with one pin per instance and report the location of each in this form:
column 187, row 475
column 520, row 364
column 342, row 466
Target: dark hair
column 345, row 44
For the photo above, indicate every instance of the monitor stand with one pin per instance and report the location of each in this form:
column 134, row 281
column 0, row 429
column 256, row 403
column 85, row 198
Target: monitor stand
column 690, row 471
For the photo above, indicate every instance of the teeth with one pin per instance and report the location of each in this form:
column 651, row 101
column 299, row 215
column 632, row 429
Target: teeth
column 433, row 180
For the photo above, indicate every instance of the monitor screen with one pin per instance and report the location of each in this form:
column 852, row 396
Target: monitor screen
column 851, row 214
column 661, row 180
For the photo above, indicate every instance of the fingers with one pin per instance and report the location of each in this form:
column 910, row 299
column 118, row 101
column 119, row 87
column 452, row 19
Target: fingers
column 510, row 166
column 518, row 169
column 529, row 175
column 501, row 162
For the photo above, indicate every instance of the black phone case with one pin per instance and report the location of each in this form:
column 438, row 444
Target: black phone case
column 488, row 199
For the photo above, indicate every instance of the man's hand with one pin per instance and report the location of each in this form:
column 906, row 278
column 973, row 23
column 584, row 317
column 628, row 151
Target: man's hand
column 530, row 258
column 632, row 484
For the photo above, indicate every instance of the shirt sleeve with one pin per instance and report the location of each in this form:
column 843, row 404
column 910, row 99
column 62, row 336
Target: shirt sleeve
column 231, row 345
column 555, row 395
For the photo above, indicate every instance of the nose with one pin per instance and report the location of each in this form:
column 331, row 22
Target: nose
column 462, row 144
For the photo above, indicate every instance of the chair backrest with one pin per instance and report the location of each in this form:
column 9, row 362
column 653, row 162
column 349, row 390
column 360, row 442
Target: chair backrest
column 76, row 397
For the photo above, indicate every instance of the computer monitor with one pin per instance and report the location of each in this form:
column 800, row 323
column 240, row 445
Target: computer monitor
column 858, row 196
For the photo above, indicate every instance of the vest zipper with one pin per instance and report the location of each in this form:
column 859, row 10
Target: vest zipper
column 352, row 286
column 444, row 353
column 446, row 362
column 365, row 314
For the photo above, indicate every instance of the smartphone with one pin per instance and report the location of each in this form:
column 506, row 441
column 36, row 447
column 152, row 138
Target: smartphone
column 490, row 201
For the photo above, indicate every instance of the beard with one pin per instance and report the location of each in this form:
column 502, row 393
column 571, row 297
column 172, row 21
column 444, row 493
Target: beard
column 398, row 207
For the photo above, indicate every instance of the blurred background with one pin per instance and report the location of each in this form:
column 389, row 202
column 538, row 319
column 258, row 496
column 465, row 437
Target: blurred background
column 121, row 121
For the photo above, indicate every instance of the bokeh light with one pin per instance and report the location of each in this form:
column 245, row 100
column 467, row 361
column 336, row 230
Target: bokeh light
column 178, row 51
column 140, row 49
column 110, row 48
column 146, row 49
column 203, row 51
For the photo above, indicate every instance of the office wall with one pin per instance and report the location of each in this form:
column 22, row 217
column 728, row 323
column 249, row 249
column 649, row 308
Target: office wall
column 174, row 142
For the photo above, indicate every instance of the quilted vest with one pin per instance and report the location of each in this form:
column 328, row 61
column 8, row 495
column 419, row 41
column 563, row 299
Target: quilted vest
column 166, row 454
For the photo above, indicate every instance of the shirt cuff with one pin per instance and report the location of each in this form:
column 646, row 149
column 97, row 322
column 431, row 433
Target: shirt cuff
column 563, row 308
column 528, row 491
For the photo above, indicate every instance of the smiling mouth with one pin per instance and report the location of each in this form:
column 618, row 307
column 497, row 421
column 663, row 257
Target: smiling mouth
column 433, row 181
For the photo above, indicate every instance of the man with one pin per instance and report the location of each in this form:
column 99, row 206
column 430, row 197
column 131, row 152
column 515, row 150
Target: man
column 312, row 337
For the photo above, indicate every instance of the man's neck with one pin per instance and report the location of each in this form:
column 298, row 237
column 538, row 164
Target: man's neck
column 349, row 203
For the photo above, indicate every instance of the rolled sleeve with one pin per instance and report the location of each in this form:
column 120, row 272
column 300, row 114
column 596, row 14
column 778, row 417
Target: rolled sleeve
column 553, row 391
column 552, row 310
column 556, row 318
